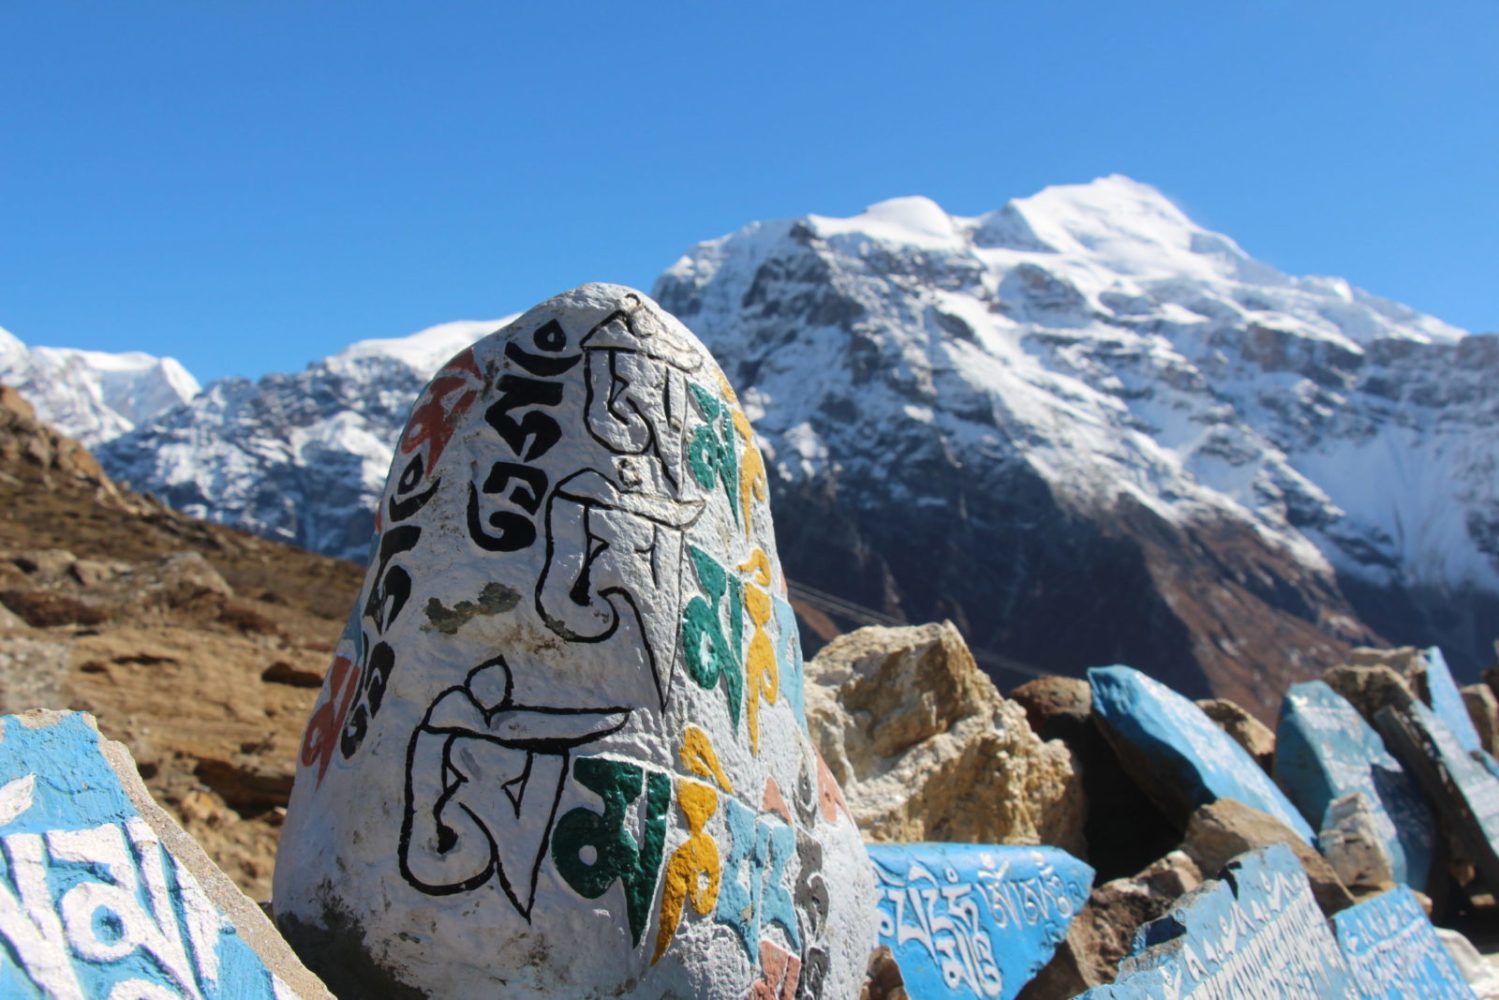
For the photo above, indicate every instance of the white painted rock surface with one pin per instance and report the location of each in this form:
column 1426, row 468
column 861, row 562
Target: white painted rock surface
column 562, row 749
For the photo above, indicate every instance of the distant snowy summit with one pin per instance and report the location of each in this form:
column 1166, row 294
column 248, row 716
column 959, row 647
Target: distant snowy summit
column 1081, row 426
column 1089, row 430
column 93, row 396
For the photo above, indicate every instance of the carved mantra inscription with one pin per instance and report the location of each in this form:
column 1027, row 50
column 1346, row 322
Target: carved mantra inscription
column 969, row 920
column 1258, row 934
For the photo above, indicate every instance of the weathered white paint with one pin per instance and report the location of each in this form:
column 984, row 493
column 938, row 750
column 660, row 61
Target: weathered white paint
column 573, row 642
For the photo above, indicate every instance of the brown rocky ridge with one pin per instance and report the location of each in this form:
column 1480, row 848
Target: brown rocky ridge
column 192, row 643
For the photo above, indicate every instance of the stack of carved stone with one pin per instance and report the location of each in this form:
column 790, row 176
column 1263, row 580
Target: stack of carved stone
column 1365, row 829
column 562, row 749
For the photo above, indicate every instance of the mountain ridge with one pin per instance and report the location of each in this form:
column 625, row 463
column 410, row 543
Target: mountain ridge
column 1086, row 365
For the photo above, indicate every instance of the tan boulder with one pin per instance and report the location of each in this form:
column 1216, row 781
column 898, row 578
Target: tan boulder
column 925, row 748
column 1369, row 687
column 1483, row 709
column 1351, row 842
column 1220, row 831
column 1250, row 733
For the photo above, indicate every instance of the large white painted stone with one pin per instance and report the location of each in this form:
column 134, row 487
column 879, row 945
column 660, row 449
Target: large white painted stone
column 562, row 749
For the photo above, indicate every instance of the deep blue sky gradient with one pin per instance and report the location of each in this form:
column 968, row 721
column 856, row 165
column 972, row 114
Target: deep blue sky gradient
column 251, row 186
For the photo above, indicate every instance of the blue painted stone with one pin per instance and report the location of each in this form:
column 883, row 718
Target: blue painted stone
column 1458, row 783
column 92, row 902
column 975, row 920
column 1394, row 952
column 1324, row 750
column 1257, row 932
column 1447, row 701
column 1179, row 755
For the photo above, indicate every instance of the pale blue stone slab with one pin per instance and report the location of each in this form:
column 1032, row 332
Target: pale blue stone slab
column 1394, row 952
column 1179, row 755
column 1459, row 784
column 92, row 904
column 1256, row 933
column 975, row 920
column 1324, row 750
column 1447, row 701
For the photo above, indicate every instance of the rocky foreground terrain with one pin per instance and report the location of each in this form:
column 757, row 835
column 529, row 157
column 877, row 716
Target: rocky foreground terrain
column 200, row 647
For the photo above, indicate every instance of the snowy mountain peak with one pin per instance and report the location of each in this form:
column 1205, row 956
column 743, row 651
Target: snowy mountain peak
column 94, row 396
column 911, row 221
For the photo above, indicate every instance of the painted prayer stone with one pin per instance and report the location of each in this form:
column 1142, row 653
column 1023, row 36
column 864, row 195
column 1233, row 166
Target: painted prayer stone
column 103, row 895
column 1447, row 701
column 1324, row 750
column 1177, row 754
column 1463, row 791
column 560, row 751
column 975, row 920
column 1394, row 952
column 1257, row 932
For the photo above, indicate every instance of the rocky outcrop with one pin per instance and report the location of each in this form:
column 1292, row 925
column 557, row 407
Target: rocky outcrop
column 1370, row 686
column 1101, row 933
column 1483, row 709
column 1254, row 736
column 925, row 748
column 1351, row 842
column 163, row 628
column 1221, row 831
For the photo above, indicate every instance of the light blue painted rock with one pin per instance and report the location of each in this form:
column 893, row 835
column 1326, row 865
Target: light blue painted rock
column 975, row 920
column 1394, row 952
column 1177, row 754
column 1255, row 933
column 1447, row 701
column 1324, row 750
column 1463, row 790
column 102, row 895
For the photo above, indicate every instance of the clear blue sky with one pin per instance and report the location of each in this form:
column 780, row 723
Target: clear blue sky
column 248, row 186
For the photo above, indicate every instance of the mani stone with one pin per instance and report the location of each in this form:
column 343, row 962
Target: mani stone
column 561, row 749
column 1465, row 793
column 102, row 894
column 1435, row 680
column 1177, row 754
column 975, row 920
column 1393, row 951
column 1256, row 932
column 1325, row 750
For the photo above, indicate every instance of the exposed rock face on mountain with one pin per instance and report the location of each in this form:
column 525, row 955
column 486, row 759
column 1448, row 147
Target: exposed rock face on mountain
column 1088, row 431
column 925, row 748
column 192, row 643
column 1082, row 427
column 94, row 395
column 297, row 458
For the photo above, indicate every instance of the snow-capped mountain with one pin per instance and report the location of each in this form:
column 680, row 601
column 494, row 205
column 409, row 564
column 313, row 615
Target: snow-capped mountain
column 1083, row 427
column 300, row 458
column 93, row 395
column 1065, row 422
